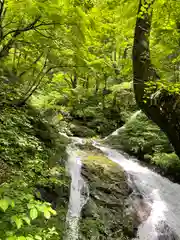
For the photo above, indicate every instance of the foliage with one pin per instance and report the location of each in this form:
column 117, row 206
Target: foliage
column 29, row 146
column 19, row 210
column 145, row 140
column 84, row 88
column 63, row 57
column 140, row 136
column 169, row 163
column 67, row 56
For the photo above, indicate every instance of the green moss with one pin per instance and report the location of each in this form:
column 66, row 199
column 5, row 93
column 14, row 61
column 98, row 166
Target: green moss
column 99, row 160
column 81, row 131
column 105, row 215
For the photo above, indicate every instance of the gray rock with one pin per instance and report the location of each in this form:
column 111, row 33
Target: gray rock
column 165, row 232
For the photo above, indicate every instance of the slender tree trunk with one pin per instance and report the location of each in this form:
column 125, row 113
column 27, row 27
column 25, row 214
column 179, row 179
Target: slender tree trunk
column 114, row 100
column 104, row 91
column 87, row 82
column 74, row 80
column 2, row 13
column 97, row 85
column 164, row 110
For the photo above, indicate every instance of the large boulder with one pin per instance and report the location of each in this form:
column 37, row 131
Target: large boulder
column 81, row 131
column 107, row 214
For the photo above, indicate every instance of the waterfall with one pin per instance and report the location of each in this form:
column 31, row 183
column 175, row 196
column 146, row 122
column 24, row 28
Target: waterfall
column 163, row 196
column 117, row 131
column 78, row 190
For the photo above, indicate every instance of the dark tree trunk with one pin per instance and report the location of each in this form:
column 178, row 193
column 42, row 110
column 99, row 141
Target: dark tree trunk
column 74, row 80
column 87, row 82
column 97, row 85
column 163, row 109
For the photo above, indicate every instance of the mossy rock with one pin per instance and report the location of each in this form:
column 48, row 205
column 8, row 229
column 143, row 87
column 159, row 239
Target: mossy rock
column 81, row 131
column 105, row 216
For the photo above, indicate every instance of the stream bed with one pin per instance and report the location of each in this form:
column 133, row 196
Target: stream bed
column 161, row 197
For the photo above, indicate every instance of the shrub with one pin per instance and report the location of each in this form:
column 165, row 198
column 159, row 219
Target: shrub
column 169, row 162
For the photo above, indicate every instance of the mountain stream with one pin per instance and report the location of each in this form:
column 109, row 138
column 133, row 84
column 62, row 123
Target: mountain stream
column 162, row 195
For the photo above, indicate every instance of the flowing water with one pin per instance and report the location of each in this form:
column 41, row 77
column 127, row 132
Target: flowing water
column 163, row 219
column 117, row 131
column 162, row 195
column 78, row 191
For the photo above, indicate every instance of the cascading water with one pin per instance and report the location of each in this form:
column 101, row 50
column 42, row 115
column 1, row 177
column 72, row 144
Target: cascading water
column 162, row 219
column 162, row 195
column 78, row 191
column 115, row 133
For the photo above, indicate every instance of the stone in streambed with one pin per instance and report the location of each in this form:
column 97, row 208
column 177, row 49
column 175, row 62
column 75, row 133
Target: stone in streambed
column 105, row 216
column 81, row 130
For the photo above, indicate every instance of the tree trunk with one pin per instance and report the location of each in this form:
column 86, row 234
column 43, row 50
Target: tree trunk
column 164, row 110
column 97, row 85
column 87, row 82
column 74, row 80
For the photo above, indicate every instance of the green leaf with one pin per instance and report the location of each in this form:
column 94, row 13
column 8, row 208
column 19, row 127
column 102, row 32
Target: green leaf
column 12, row 238
column 30, row 205
column 4, row 204
column 12, row 203
column 47, row 213
column 27, row 220
column 21, row 238
column 38, row 237
column 52, row 211
column 29, row 238
column 33, row 213
column 17, row 221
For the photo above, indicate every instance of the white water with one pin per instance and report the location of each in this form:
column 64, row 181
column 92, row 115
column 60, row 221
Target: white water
column 78, row 191
column 159, row 192
column 117, row 131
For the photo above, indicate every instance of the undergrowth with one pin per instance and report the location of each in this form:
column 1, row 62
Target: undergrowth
column 31, row 149
column 148, row 142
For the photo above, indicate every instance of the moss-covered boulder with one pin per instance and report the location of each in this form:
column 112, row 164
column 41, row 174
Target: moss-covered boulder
column 79, row 130
column 106, row 215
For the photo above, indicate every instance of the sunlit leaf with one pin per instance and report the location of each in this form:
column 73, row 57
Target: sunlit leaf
column 27, row 220
column 4, row 204
column 33, row 213
column 47, row 213
column 18, row 221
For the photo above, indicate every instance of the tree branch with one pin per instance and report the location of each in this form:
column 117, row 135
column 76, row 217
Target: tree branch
column 1, row 7
column 25, row 29
column 1, row 17
column 40, row 33
column 5, row 50
column 33, row 63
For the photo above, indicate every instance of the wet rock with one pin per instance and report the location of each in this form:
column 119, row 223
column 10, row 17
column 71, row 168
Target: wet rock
column 107, row 214
column 141, row 208
column 48, row 195
column 165, row 232
column 81, row 130
column 55, row 196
